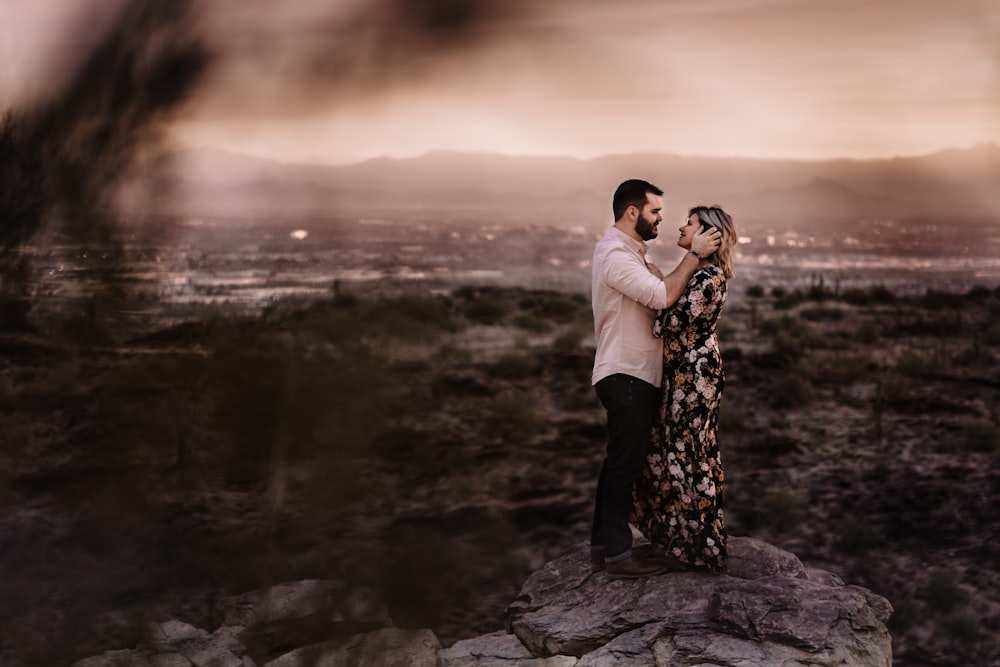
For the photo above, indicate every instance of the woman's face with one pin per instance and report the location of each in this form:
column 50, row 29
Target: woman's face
column 688, row 231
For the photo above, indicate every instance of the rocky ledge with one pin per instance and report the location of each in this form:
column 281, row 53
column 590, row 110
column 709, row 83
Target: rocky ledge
column 766, row 610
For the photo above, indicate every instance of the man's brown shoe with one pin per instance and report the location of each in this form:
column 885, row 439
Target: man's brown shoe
column 635, row 568
column 641, row 552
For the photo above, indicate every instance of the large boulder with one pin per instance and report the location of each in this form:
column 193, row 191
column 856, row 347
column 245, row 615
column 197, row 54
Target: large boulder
column 386, row 647
column 264, row 624
column 498, row 649
column 766, row 610
column 298, row 613
column 176, row 644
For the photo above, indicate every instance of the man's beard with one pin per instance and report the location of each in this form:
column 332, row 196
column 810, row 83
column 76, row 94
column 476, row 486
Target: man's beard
column 646, row 229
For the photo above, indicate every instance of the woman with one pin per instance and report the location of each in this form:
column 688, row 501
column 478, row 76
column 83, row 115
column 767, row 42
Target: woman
column 678, row 500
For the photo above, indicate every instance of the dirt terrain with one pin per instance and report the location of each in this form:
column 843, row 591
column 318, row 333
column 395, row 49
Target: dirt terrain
column 442, row 447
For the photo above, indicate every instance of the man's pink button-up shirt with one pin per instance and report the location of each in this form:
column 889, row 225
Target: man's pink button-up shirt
column 625, row 296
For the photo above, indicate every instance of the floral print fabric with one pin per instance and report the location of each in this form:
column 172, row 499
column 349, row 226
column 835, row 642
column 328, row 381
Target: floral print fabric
column 678, row 499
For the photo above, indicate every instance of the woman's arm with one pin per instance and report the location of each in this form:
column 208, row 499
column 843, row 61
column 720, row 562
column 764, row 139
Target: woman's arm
column 703, row 244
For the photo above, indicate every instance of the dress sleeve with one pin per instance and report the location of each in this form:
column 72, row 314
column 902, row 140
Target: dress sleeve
column 701, row 300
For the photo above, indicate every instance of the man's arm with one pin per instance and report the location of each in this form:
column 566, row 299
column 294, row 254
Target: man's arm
column 704, row 243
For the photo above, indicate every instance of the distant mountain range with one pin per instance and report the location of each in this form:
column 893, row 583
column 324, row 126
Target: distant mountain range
column 959, row 183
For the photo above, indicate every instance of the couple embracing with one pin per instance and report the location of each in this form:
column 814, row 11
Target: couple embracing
column 658, row 374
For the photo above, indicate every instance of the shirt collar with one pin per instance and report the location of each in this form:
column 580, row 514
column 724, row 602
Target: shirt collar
column 640, row 247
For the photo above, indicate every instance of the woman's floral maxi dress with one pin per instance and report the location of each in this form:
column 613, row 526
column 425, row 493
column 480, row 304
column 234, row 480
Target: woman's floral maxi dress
column 678, row 499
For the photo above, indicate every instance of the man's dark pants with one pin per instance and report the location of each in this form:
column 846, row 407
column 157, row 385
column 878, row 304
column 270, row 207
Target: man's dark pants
column 631, row 405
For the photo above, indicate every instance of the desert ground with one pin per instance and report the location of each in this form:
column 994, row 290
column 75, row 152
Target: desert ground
column 441, row 443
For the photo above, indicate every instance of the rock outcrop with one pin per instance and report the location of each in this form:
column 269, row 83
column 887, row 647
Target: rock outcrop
column 298, row 624
column 766, row 610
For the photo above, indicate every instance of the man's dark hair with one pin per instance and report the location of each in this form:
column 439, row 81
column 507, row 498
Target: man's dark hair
column 632, row 193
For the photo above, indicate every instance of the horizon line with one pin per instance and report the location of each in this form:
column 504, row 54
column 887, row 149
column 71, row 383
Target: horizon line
column 985, row 144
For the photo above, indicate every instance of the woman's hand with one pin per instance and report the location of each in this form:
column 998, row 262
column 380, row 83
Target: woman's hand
column 707, row 241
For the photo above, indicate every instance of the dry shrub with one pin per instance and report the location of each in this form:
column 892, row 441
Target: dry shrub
column 856, row 535
column 533, row 323
column 943, row 591
column 571, row 338
column 791, row 336
column 822, row 314
column 992, row 335
column 979, row 435
column 790, row 390
column 485, row 307
column 516, row 416
column 515, row 366
column 779, row 509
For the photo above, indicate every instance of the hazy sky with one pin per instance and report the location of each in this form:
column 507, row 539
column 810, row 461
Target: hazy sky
column 346, row 80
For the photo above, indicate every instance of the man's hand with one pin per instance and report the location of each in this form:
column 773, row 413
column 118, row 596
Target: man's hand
column 706, row 241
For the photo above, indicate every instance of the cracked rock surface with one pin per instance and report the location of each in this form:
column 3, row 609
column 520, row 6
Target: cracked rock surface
column 767, row 609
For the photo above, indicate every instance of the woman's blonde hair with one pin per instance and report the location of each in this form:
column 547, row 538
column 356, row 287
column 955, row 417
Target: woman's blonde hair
column 714, row 216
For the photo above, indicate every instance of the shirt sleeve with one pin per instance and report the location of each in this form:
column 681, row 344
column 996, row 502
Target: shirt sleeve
column 627, row 273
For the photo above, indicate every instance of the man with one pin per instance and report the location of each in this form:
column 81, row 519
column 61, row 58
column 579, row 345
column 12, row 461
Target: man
column 626, row 293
